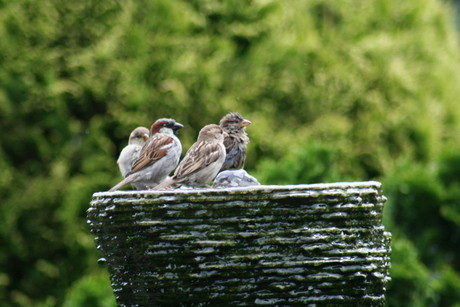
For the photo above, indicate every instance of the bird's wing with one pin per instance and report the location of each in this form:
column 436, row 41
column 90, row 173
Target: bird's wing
column 236, row 154
column 228, row 143
column 198, row 157
column 154, row 149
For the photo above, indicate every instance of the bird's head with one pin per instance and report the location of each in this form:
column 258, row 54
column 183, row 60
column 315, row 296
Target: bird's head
column 165, row 125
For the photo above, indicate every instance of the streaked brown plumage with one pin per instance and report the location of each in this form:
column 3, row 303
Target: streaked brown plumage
column 235, row 144
column 158, row 157
column 202, row 161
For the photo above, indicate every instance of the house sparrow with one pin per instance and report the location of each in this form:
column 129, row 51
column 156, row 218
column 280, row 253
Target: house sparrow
column 235, row 144
column 202, row 161
column 158, row 157
column 131, row 152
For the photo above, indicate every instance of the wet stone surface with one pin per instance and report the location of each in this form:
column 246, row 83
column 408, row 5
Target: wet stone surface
column 234, row 178
column 311, row 245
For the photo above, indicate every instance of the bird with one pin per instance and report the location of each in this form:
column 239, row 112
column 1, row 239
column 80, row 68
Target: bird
column 131, row 152
column 158, row 157
column 235, row 144
column 202, row 161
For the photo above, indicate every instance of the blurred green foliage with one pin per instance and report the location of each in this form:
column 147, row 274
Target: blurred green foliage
column 336, row 90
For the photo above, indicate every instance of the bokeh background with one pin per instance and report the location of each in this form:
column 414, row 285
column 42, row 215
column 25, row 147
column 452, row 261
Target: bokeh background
column 336, row 91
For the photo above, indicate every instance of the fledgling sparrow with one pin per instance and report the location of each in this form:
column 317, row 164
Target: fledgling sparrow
column 131, row 152
column 235, row 144
column 202, row 161
column 158, row 157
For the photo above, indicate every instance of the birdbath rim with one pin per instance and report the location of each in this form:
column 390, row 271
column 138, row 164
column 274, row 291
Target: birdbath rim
column 239, row 190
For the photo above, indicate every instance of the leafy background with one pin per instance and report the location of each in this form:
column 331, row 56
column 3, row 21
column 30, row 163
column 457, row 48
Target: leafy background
column 336, row 90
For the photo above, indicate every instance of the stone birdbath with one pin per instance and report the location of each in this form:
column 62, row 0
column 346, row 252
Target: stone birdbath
column 279, row 245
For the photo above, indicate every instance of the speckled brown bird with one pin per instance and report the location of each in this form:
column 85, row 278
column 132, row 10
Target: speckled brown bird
column 158, row 157
column 202, row 161
column 235, row 144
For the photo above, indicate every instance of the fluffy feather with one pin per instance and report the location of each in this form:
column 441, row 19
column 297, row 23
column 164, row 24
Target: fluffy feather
column 235, row 144
column 131, row 152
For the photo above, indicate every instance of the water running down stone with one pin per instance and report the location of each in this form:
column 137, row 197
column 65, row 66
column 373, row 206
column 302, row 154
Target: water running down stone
column 318, row 245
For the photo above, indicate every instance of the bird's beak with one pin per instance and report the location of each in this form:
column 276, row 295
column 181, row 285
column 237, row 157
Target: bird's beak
column 177, row 126
column 225, row 134
column 145, row 137
column 245, row 123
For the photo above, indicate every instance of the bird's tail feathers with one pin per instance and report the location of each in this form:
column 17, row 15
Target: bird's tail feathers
column 166, row 183
column 125, row 181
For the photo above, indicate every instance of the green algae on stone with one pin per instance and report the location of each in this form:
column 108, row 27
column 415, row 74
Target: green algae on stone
column 320, row 244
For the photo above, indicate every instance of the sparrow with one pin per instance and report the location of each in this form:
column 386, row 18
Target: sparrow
column 202, row 161
column 235, row 144
column 158, row 157
column 131, row 152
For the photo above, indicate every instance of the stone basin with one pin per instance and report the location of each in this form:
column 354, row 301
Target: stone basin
column 279, row 245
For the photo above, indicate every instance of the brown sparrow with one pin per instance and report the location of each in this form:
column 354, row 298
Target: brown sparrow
column 202, row 161
column 158, row 157
column 235, row 144
column 131, row 152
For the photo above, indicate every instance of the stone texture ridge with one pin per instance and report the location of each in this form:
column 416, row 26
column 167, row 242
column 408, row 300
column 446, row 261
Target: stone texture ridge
column 318, row 244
